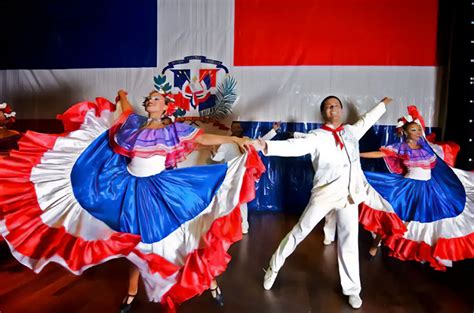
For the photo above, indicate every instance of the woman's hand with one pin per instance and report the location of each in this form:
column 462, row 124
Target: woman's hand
column 243, row 143
column 122, row 94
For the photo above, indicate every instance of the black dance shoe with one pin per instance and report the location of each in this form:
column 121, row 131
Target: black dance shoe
column 127, row 302
column 217, row 296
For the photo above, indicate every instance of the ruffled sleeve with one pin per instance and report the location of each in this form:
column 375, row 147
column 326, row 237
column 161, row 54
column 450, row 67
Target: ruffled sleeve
column 394, row 158
column 184, row 137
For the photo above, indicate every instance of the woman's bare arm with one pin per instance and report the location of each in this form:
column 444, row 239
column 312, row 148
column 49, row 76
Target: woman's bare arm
column 210, row 140
column 372, row 154
column 124, row 103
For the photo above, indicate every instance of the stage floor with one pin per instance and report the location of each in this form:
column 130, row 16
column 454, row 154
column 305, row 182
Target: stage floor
column 308, row 282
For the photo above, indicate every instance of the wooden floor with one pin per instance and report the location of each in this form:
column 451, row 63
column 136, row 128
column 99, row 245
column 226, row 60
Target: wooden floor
column 307, row 283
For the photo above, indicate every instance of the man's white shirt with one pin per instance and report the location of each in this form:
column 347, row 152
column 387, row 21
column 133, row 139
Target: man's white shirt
column 337, row 171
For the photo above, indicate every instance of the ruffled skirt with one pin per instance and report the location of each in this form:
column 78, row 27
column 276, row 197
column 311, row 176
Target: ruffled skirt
column 69, row 199
column 426, row 221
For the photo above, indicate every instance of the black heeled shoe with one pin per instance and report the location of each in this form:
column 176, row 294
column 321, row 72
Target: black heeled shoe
column 126, row 306
column 217, row 295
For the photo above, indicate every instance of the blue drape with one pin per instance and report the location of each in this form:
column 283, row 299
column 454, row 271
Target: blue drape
column 287, row 183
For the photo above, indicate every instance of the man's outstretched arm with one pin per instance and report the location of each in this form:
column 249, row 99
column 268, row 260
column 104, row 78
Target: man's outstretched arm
column 360, row 127
column 287, row 148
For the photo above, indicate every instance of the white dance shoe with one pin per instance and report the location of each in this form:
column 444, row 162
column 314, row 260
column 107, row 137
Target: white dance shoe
column 269, row 278
column 355, row 301
column 327, row 241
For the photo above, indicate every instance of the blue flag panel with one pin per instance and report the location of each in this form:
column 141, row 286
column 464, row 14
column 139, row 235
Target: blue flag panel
column 54, row 34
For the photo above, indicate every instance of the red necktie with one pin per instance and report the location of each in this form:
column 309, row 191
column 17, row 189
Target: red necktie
column 335, row 134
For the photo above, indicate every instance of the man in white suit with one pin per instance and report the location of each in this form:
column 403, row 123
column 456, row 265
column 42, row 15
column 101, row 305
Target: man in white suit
column 337, row 185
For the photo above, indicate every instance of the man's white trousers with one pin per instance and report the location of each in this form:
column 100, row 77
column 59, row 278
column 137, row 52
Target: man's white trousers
column 347, row 240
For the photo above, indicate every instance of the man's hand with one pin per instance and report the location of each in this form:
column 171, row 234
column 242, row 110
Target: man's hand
column 213, row 149
column 259, row 144
column 276, row 126
column 386, row 100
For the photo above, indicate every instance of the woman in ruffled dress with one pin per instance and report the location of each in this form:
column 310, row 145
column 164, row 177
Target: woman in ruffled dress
column 100, row 191
column 423, row 209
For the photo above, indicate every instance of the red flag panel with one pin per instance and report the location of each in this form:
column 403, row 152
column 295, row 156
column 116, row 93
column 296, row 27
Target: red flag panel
column 342, row 32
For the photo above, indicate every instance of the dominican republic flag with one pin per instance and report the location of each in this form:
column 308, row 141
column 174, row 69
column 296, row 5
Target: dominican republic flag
column 286, row 56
